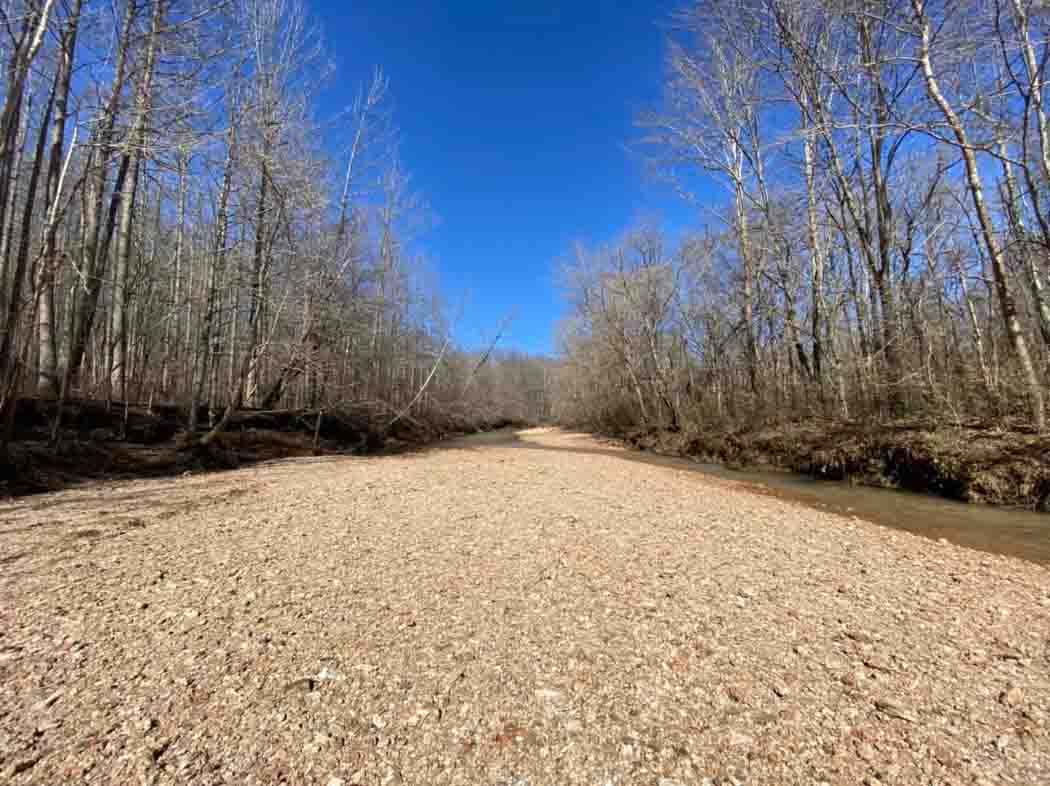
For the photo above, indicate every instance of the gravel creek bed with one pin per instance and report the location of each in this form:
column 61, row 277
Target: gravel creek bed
column 505, row 616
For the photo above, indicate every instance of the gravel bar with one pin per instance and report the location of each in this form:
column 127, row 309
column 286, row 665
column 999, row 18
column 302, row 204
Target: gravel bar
column 530, row 614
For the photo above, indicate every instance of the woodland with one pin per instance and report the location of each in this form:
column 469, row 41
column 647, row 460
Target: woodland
column 187, row 248
column 869, row 296
column 190, row 251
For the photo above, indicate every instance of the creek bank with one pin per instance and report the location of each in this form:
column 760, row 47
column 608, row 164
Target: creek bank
column 973, row 463
column 101, row 441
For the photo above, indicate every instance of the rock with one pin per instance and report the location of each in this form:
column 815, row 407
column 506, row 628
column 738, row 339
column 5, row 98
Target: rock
column 304, row 685
column 737, row 740
column 45, row 703
column 1012, row 696
column 554, row 702
column 336, row 782
column 327, row 674
column 548, row 696
column 866, row 751
column 146, row 725
column 892, row 709
column 22, row 765
column 890, row 773
column 860, row 636
column 878, row 663
column 857, row 679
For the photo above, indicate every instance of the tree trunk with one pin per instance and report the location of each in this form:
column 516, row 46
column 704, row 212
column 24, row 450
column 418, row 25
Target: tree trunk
column 133, row 148
column 47, row 369
column 1008, row 308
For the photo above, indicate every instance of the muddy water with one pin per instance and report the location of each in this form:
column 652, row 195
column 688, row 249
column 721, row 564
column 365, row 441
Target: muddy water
column 1015, row 533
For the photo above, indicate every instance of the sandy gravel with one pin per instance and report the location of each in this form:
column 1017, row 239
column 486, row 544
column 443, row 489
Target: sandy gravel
column 505, row 616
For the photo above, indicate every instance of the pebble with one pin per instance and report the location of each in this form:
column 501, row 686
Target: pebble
column 45, row 703
column 1012, row 696
column 329, row 674
column 894, row 710
column 737, row 739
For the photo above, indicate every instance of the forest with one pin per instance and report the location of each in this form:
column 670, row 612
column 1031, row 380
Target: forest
column 878, row 255
column 183, row 230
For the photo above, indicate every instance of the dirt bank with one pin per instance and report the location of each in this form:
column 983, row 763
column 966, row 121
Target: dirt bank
column 101, row 441
column 967, row 463
column 493, row 615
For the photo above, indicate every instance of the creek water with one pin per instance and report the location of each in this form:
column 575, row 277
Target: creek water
column 1009, row 531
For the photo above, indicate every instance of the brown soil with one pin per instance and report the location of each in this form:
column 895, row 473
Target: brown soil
column 102, row 441
column 492, row 615
column 973, row 463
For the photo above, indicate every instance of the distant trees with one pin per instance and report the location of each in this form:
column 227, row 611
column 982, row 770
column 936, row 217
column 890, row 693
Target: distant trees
column 882, row 249
column 177, row 223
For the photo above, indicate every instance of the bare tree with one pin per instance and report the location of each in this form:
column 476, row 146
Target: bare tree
column 975, row 185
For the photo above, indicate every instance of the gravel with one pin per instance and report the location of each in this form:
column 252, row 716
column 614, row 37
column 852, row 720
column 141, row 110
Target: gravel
column 525, row 615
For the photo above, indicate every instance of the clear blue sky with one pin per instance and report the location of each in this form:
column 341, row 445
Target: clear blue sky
column 514, row 117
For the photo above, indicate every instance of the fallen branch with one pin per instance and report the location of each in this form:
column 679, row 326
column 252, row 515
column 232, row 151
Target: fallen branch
column 422, row 390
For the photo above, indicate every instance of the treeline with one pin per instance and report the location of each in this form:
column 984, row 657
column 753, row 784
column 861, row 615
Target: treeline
column 178, row 224
column 882, row 245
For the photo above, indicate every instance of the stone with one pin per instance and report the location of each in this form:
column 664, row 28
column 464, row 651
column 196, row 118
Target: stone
column 866, row 751
column 1012, row 696
column 892, row 709
column 46, row 703
column 327, row 674
column 737, row 740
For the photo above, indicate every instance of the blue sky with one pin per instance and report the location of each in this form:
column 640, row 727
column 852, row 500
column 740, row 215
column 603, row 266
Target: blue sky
column 514, row 117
